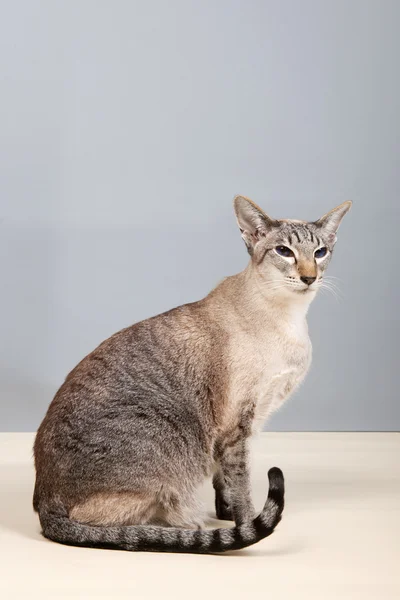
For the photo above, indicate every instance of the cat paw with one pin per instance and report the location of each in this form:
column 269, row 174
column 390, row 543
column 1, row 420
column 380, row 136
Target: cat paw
column 222, row 509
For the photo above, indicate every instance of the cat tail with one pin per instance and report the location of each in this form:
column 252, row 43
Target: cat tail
column 149, row 538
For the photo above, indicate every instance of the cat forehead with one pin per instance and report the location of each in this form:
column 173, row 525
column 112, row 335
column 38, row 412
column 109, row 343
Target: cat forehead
column 297, row 231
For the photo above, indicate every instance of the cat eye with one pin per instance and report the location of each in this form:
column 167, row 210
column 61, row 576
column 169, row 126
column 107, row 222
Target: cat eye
column 284, row 251
column 321, row 252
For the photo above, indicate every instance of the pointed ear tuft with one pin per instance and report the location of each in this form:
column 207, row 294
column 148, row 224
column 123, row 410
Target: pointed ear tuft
column 331, row 221
column 253, row 222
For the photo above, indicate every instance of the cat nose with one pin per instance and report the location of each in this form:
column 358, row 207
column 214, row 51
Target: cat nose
column 308, row 280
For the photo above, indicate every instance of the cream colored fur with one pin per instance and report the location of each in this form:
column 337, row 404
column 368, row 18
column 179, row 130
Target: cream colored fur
column 269, row 350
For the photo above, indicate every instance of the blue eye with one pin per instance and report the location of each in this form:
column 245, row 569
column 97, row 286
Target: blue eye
column 284, row 251
column 321, row 252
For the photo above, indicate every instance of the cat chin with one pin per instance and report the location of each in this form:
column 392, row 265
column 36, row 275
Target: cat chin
column 297, row 293
column 305, row 291
column 296, row 296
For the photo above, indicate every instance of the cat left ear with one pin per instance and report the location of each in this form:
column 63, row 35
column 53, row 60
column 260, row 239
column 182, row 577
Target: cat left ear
column 253, row 222
column 331, row 221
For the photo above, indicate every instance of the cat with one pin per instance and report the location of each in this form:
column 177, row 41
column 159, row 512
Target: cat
column 139, row 424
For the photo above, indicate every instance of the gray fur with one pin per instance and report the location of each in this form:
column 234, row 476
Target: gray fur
column 158, row 407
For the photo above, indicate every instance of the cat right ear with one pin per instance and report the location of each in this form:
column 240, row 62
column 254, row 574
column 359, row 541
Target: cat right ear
column 253, row 222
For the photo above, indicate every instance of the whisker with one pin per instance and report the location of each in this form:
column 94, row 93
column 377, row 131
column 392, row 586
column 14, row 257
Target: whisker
column 325, row 286
column 326, row 281
column 332, row 277
column 333, row 287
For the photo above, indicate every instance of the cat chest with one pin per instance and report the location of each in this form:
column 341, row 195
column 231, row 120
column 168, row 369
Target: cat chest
column 266, row 376
column 272, row 390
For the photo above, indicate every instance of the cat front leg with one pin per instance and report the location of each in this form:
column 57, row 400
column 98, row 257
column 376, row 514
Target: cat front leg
column 222, row 497
column 234, row 497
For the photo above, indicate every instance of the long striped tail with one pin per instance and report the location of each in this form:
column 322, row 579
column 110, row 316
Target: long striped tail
column 149, row 538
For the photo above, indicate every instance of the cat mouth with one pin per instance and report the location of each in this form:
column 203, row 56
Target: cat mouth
column 305, row 290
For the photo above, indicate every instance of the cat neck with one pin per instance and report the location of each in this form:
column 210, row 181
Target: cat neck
column 256, row 302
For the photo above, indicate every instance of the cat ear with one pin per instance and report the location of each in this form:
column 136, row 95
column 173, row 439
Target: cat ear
column 253, row 222
column 331, row 221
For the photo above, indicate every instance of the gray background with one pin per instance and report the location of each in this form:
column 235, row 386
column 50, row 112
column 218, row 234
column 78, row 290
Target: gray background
column 126, row 129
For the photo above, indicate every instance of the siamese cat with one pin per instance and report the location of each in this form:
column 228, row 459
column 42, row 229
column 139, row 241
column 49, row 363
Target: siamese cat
column 139, row 424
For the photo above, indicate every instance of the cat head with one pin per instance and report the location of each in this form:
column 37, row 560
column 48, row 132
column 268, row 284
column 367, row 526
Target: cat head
column 289, row 256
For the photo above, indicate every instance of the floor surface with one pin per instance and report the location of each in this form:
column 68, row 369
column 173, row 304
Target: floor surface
column 339, row 536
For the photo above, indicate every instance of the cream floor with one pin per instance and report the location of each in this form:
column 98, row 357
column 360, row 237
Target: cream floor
column 339, row 537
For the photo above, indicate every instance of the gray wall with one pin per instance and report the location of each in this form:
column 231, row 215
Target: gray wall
column 126, row 129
